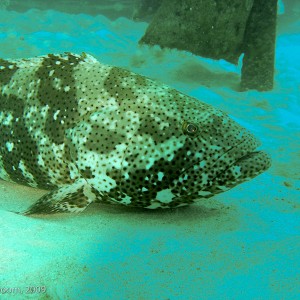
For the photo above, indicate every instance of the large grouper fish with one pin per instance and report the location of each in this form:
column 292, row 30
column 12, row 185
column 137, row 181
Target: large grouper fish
column 88, row 132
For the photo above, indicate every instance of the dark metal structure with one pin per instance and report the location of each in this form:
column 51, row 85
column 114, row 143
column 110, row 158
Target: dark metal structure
column 221, row 29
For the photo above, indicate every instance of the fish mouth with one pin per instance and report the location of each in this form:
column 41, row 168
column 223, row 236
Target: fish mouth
column 258, row 160
column 247, row 165
column 243, row 168
column 240, row 163
column 237, row 164
column 250, row 156
column 245, row 155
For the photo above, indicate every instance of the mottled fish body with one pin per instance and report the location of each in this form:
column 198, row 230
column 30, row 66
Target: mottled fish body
column 90, row 132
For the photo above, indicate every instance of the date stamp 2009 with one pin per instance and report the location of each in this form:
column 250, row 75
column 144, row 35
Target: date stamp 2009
column 23, row 290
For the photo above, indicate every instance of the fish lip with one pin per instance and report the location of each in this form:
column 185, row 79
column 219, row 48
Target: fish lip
column 253, row 151
column 249, row 155
column 254, row 156
column 258, row 152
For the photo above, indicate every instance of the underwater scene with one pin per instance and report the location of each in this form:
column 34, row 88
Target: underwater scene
column 149, row 149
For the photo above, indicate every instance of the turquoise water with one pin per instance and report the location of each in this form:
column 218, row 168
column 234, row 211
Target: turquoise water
column 243, row 244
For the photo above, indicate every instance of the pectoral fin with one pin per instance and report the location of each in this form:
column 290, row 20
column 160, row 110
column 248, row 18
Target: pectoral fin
column 70, row 198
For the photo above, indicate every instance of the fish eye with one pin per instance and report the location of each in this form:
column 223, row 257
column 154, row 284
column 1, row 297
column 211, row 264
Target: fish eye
column 190, row 128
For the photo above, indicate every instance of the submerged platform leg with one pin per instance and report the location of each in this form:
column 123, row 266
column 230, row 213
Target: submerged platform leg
column 221, row 29
column 259, row 47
